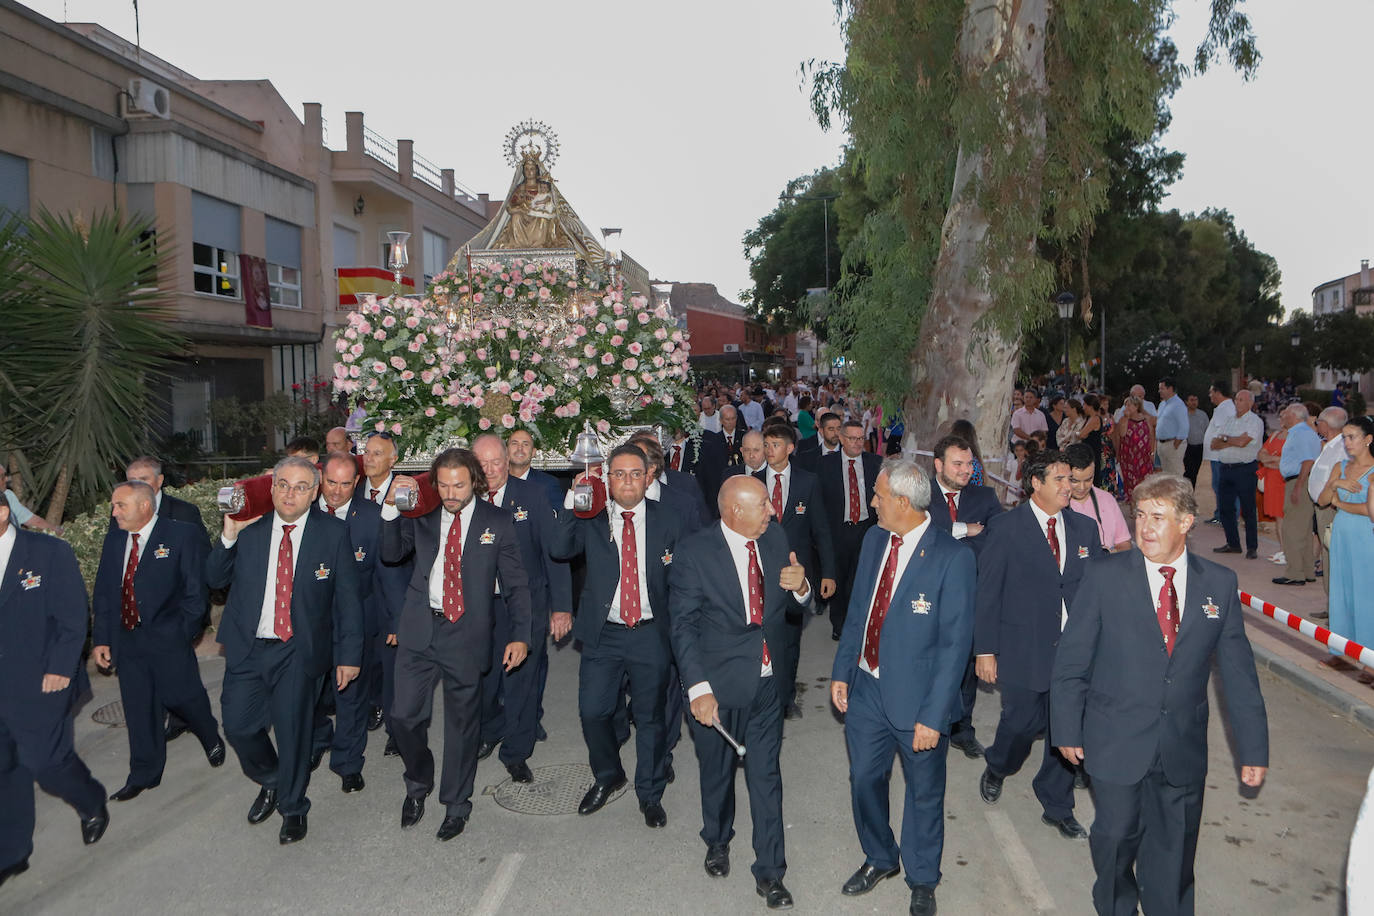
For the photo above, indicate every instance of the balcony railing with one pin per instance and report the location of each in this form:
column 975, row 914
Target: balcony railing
column 379, row 147
column 428, row 172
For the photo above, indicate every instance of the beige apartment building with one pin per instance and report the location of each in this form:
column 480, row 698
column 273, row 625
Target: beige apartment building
column 265, row 209
column 1353, row 291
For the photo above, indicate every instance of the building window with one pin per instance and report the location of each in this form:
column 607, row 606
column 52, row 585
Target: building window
column 1336, row 298
column 215, row 244
column 284, row 264
column 217, row 270
column 436, row 254
column 285, row 286
column 14, row 187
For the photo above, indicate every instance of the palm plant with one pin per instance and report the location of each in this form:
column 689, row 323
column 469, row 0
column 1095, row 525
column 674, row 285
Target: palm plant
column 85, row 330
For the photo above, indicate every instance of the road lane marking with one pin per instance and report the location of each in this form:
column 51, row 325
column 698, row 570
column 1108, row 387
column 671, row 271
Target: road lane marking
column 500, row 885
column 1018, row 858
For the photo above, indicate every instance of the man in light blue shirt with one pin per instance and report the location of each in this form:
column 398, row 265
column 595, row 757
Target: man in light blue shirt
column 1301, row 448
column 1171, row 428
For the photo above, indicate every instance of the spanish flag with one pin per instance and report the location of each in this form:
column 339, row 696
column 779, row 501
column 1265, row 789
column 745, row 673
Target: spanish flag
column 359, row 281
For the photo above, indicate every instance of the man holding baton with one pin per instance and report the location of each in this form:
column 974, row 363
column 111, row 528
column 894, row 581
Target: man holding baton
column 722, row 628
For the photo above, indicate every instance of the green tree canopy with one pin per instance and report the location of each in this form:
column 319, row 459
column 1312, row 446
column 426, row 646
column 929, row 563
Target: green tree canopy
column 793, row 250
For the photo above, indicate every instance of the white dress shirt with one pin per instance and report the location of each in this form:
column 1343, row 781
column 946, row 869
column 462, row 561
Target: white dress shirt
column 381, row 492
column 958, row 529
column 1333, row 453
column 1156, row 580
column 825, row 449
column 339, row 513
column 1063, row 537
column 143, row 534
column 711, row 422
column 1246, row 424
column 752, row 414
column 6, row 548
column 1224, row 411
column 858, row 464
column 646, row 611
column 436, row 570
column 739, row 552
column 498, row 496
column 267, row 613
column 786, row 475
column 904, row 554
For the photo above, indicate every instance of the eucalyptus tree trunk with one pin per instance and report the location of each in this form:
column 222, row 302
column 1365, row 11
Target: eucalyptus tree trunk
column 58, row 504
column 964, row 365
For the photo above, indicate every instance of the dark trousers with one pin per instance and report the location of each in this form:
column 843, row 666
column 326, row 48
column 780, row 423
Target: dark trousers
column 872, row 741
column 153, row 676
column 789, row 658
column 520, row 695
column 1025, row 715
column 963, row 732
column 450, row 657
column 351, row 708
column 848, row 540
column 758, row 727
column 1238, row 483
column 640, row 655
column 674, row 712
column 270, row 689
column 493, row 699
column 1192, row 463
column 1143, row 842
column 386, row 659
column 40, row 749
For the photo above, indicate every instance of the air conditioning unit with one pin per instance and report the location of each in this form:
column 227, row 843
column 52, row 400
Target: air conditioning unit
column 147, row 99
column 730, row 348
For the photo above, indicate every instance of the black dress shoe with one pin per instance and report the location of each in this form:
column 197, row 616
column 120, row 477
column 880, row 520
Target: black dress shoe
column 93, row 827
column 834, row 635
column 671, row 774
column 263, row 807
column 922, row 900
column 718, row 861
column 598, row 795
column 292, row 829
column 374, row 718
column 412, row 809
column 129, row 791
column 990, row 786
column 391, row 750
column 18, row 868
column 485, row 748
column 216, row 754
column 863, row 880
column 1284, row 580
column 970, row 746
column 173, row 732
column 1080, row 778
column 1225, row 548
column 793, row 711
column 353, row 782
column 519, row 771
column 1068, row 828
column 1252, row 554
column 451, row 827
column 773, row 893
column 654, row 815
column 315, row 757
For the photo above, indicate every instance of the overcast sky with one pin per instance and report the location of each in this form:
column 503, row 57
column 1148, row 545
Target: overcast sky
column 681, row 123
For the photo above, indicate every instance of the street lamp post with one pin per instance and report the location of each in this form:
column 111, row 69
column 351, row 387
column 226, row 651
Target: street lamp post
column 1065, row 303
column 825, row 225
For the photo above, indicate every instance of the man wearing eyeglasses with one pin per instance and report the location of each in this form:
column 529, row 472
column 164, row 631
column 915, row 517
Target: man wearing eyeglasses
column 622, row 623
column 293, row 617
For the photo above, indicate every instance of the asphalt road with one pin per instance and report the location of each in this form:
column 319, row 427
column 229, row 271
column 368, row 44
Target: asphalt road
column 186, row 846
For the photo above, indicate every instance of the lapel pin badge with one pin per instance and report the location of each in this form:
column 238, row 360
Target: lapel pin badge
column 487, row 537
column 1210, row 609
column 1082, row 553
column 162, row 552
column 322, row 573
column 921, row 605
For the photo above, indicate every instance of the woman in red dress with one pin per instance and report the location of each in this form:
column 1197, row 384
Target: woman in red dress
column 1134, row 438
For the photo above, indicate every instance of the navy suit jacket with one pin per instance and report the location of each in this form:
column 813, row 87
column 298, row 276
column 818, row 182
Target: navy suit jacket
column 976, row 504
column 553, row 490
column 490, row 548
column 663, row 530
column 182, row 511
column 685, row 485
column 712, row 638
column 718, row 453
column 364, row 523
column 550, row 581
column 684, row 499
column 326, row 615
column 833, row 476
column 803, row 521
column 925, row 639
column 1020, row 591
column 169, row 585
column 42, row 628
column 1121, row 697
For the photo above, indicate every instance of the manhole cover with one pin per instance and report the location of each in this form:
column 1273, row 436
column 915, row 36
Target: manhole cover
column 555, row 790
column 111, row 714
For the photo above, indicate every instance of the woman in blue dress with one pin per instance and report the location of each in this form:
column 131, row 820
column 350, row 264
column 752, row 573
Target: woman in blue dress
column 1352, row 542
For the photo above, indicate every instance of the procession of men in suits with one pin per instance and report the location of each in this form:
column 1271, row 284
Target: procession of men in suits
column 702, row 562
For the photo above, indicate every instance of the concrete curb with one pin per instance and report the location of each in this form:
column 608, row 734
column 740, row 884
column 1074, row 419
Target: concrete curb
column 1309, row 682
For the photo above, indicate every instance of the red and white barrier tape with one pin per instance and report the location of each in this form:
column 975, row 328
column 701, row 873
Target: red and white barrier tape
column 1350, row 648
